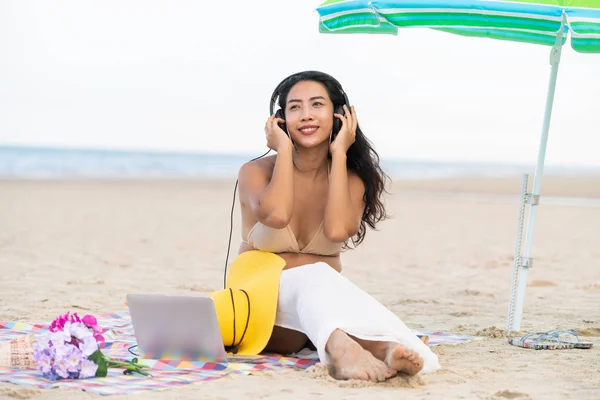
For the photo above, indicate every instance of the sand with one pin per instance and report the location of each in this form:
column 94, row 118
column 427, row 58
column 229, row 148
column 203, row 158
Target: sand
column 442, row 263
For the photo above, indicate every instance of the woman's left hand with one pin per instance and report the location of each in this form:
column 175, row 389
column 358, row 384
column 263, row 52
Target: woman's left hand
column 347, row 134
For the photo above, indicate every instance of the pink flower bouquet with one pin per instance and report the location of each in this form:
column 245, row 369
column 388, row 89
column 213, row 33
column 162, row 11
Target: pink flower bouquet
column 71, row 350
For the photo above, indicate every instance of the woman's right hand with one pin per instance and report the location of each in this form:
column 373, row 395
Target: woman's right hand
column 277, row 139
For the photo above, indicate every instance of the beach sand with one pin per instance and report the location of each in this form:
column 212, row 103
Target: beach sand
column 442, row 263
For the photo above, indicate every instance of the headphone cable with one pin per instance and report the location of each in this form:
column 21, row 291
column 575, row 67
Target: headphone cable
column 231, row 224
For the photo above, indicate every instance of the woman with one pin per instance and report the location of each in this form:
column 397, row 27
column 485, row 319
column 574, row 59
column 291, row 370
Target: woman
column 315, row 197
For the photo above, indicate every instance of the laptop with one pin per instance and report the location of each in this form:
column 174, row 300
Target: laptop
column 176, row 327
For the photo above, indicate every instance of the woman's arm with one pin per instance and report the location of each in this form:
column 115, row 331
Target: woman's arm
column 270, row 193
column 345, row 202
column 345, row 196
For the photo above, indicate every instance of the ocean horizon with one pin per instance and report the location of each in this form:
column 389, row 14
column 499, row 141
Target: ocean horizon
column 22, row 162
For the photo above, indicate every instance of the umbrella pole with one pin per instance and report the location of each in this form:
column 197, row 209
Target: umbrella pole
column 525, row 260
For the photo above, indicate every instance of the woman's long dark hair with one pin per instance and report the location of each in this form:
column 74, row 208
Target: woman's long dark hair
column 361, row 156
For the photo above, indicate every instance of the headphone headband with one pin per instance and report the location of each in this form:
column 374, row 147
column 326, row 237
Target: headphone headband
column 277, row 90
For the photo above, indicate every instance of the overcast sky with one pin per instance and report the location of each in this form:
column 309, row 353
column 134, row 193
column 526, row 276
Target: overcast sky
column 198, row 75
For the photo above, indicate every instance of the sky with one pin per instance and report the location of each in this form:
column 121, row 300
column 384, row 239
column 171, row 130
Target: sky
column 197, row 76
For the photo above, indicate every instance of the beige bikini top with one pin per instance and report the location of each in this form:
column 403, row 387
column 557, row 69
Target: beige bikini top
column 262, row 237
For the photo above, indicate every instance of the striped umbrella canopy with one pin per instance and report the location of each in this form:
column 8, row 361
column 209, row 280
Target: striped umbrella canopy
column 542, row 22
column 531, row 21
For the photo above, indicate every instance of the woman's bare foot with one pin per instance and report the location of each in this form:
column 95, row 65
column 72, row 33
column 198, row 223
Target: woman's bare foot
column 402, row 359
column 350, row 361
column 394, row 355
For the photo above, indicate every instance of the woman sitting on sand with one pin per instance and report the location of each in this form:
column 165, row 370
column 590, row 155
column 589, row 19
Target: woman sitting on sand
column 305, row 204
column 299, row 209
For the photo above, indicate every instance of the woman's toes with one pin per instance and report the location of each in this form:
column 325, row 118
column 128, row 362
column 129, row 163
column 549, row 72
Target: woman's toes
column 391, row 373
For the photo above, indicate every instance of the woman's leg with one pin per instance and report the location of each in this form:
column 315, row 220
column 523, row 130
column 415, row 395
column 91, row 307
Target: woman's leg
column 342, row 321
column 286, row 341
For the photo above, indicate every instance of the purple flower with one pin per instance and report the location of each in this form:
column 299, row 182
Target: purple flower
column 50, row 375
column 40, row 347
column 88, row 346
column 80, row 331
column 88, row 369
column 74, row 359
column 62, row 350
column 43, row 346
column 60, row 366
column 67, row 330
column 41, row 351
column 44, row 364
column 58, row 338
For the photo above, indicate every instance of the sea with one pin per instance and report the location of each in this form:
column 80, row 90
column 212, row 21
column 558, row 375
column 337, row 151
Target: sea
column 37, row 163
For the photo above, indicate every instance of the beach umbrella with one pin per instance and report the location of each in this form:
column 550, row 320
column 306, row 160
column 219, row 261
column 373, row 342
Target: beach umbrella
column 542, row 22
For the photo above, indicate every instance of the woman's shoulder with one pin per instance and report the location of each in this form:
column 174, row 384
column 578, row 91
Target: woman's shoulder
column 262, row 167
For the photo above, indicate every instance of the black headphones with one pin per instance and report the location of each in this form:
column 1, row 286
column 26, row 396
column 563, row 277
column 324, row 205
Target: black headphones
column 337, row 125
column 308, row 75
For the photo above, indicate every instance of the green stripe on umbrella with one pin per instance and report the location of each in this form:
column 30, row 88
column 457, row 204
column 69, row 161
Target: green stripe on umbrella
column 517, row 20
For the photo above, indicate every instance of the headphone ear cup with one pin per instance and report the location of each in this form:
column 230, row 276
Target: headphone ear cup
column 280, row 114
column 337, row 123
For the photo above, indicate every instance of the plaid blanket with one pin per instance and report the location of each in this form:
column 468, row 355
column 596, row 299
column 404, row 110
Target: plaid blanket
column 165, row 374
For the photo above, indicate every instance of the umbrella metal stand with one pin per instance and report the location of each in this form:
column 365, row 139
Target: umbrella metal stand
column 523, row 261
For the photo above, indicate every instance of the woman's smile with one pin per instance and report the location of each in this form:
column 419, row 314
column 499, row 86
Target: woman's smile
column 308, row 129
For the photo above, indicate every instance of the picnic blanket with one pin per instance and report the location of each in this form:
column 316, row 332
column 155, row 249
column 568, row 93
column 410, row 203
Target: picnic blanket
column 166, row 374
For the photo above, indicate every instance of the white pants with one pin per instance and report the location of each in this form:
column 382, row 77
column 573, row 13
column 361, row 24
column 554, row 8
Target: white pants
column 316, row 300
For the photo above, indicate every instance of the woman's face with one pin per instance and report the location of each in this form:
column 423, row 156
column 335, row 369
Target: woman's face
column 309, row 114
